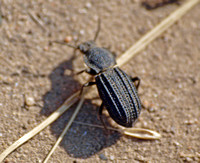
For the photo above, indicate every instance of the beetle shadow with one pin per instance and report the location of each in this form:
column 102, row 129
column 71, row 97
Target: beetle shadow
column 81, row 141
column 154, row 5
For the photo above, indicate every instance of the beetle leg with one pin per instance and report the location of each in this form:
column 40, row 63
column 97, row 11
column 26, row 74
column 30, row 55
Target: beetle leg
column 137, row 86
column 86, row 85
column 88, row 70
column 138, row 81
column 80, row 72
column 100, row 116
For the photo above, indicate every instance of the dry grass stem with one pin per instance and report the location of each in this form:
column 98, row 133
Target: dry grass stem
column 67, row 104
column 141, row 133
column 66, row 128
column 155, row 32
column 123, row 59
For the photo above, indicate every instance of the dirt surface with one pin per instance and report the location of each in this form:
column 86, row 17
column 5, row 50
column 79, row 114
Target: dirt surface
column 36, row 78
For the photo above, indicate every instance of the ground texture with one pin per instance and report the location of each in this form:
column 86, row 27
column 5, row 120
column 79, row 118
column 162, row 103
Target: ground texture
column 36, row 77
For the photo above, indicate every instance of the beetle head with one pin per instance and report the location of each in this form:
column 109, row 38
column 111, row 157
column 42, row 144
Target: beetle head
column 96, row 58
column 84, row 47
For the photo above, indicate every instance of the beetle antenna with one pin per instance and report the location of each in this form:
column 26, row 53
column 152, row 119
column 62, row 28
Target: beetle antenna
column 98, row 29
column 64, row 43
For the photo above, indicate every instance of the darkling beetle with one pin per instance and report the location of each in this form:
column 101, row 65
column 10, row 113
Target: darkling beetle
column 116, row 89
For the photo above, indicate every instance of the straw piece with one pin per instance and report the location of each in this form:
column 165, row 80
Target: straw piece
column 65, row 129
column 141, row 133
column 68, row 103
column 156, row 31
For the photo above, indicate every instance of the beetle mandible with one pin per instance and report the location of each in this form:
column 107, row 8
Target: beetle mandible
column 116, row 89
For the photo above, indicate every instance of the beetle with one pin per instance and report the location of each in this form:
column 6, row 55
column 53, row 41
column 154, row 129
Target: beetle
column 116, row 89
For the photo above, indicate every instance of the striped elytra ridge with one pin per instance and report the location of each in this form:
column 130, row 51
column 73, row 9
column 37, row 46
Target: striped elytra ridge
column 119, row 96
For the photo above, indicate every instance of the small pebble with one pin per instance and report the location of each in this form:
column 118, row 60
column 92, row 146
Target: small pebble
column 155, row 95
column 103, row 157
column 145, row 124
column 75, row 38
column 82, row 11
column 180, row 86
column 146, row 103
column 151, row 109
column 176, row 143
column 68, row 39
column 46, row 48
column 190, row 122
column 29, row 101
column 112, row 158
column 188, row 159
column 16, row 84
column 88, row 5
column 82, row 32
column 149, row 106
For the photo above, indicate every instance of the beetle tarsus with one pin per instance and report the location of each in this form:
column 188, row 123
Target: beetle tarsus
column 134, row 79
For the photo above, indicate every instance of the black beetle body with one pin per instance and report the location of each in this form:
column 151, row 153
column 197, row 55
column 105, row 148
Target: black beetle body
column 115, row 87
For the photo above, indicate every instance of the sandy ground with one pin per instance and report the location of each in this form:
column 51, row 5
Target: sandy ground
column 30, row 67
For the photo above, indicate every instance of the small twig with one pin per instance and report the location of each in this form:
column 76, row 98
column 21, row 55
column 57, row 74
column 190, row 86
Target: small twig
column 92, row 125
column 37, row 21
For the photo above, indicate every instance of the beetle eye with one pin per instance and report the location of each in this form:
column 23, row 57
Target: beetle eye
column 82, row 48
